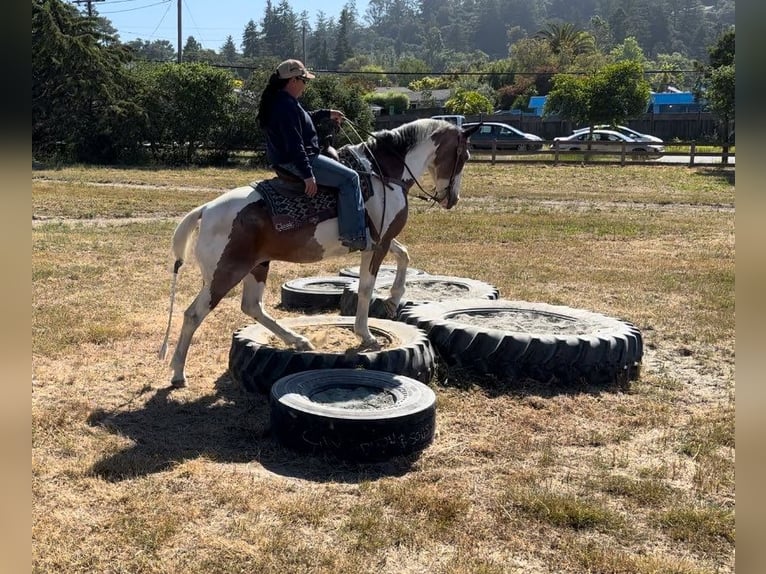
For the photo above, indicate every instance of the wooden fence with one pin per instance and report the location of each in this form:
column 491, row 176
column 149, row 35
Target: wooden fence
column 682, row 153
column 697, row 126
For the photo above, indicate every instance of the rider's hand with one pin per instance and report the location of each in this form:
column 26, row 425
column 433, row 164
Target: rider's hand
column 311, row 186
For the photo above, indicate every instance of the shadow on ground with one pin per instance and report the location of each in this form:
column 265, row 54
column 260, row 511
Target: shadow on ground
column 228, row 426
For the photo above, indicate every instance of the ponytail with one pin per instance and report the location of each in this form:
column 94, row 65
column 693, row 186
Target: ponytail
column 267, row 97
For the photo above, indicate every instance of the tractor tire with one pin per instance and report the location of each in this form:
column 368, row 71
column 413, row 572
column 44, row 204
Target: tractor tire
column 420, row 289
column 353, row 414
column 256, row 364
column 519, row 339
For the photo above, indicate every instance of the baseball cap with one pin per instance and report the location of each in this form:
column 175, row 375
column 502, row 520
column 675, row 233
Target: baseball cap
column 292, row 69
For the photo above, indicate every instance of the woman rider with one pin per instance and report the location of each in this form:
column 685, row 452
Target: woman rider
column 293, row 145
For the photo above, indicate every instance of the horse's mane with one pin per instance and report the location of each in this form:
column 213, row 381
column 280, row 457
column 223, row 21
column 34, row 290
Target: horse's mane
column 401, row 139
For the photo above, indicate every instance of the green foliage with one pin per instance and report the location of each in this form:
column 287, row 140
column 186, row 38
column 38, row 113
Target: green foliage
column 187, row 105
column 566, row 42
column 343, row 94
column 430, row 83
column 720, row 95
column 628, row 50
column 467, row 102
column 155, row 51
column 719, row 81
column 399, row 101
column 610, row 96
column 670, row 67
column 722, row 52
column 81, row 106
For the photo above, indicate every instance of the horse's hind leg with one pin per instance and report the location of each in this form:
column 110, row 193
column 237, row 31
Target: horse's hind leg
column 213, row 290
column 193, row 317
column 252, row 304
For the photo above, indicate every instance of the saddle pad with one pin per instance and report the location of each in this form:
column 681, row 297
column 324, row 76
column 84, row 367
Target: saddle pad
column 296, row 210
column 290, row 208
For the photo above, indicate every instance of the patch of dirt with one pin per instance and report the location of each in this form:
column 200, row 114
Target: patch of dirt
column 335, row 339
column 429, row 291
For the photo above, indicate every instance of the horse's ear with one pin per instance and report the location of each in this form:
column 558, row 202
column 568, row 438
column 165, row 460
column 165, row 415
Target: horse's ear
column 468, row 131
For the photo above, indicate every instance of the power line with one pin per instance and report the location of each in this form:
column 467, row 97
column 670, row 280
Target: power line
column 433, row 73
column 131, row 9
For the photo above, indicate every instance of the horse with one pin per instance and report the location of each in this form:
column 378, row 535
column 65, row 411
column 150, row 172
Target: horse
column 238, row 238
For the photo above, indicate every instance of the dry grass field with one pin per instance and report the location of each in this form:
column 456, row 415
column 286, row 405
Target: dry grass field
column 129, row 476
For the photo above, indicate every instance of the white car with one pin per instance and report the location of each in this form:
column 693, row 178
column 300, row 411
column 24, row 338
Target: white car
column 605, row 140
column 638, row 136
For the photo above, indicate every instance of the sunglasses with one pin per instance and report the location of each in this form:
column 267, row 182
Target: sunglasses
column 302, row 79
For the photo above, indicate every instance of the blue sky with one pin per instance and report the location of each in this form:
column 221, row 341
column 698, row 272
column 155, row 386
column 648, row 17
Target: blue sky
column 209, row 21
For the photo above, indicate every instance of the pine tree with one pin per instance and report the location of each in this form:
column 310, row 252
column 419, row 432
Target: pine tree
column 250, row 41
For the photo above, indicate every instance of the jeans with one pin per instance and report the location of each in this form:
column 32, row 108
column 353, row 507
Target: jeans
column 351, row 214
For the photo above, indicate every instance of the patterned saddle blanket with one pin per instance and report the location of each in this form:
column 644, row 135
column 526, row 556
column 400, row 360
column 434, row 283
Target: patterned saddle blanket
column 291, row 208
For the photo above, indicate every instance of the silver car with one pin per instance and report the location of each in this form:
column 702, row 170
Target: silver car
column 605, row 140
column 502, row 136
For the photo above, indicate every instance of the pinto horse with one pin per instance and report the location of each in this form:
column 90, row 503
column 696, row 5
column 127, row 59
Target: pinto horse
column 238, row 237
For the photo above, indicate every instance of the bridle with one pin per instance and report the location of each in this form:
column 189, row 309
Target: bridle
column 426, row 196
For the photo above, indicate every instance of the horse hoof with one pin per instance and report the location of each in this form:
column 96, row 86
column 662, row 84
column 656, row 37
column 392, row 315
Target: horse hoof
column 371, row 345
column 303, row 345
column 391, row 309
column 178, row 383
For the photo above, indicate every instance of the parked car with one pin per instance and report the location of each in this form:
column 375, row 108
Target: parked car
column 456, row 119
column 638, row 136
column 503, row 136
column 605, row 140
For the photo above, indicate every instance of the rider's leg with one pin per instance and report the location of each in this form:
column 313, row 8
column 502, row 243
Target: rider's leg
column 352, row 226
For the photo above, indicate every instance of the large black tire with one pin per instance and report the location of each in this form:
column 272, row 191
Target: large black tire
column 384, row 272
column 416, row 291
column 353, row 414
column 256, row 364
column 534, row 340
column 321, row 292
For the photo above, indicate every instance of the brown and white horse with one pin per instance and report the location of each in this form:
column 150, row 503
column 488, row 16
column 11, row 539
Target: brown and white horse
column 237, row 238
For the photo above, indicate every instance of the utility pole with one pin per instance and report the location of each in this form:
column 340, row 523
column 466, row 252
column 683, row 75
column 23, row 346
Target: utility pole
column 90, row 5
column 179, row 32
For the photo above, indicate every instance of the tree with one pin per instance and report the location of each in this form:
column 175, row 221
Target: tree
column 81, row 92
column 343, row 49
column 612, row 95
column 155, row 51
column 628, row 49
column 229, row 51
column 468, row 102
column 251, row 41
column 719, row 79
column 720, row 95
column 187, row 105
column 670, row 72
column 328, row 91
column 192, row 49
column 566, row 41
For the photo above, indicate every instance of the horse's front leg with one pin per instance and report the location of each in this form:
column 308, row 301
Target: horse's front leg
column 364, row 295
column 252, row 304
column 397, row 289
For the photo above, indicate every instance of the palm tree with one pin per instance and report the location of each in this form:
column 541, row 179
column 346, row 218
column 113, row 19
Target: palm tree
column 566, row 40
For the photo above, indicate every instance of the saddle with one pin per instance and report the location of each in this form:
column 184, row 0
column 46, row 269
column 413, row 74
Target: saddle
column 291, row 208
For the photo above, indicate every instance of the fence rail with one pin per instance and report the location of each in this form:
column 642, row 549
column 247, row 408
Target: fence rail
column 688, row 153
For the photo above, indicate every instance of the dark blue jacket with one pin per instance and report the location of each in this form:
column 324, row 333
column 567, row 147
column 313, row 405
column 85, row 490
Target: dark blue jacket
column 290, row 133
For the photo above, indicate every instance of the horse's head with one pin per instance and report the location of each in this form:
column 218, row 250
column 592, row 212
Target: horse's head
column 450, row 155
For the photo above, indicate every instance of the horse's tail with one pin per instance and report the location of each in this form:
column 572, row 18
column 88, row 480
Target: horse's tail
column 181, row 240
